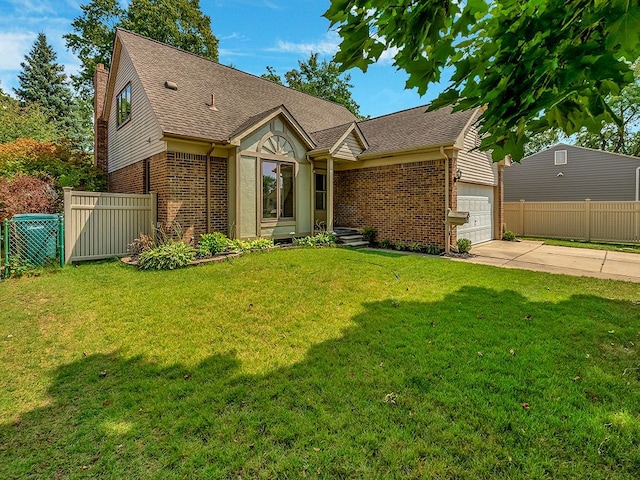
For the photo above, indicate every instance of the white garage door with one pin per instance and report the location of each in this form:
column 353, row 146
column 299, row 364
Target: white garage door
column 478, row 201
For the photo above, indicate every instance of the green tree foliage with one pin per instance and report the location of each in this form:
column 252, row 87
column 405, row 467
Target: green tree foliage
column 612, row 137
column 322, row 79
column 17, row 121
column 59, row 162
column 623, row 137
column 180, row 23
column 535, row 64
column 43, row 81
column 43, row 84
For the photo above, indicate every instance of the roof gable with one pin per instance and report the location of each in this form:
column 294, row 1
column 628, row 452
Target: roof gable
column 257, row 121
column 239, row 96
column 611, row 155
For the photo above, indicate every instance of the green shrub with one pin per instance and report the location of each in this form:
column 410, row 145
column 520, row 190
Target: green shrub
column 386, row 243
column 464, row 245
column 415, row 247
column 247, row 245
column 258, row 244
column 369, row 234
column 212, row 243
column 432, row 249
column 322, row 238
column 169, row 256
column 401, row 246
column 509, row 236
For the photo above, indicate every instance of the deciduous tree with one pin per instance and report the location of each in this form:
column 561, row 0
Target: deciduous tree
column 322, row 79
column 534, row 64
column 180, row 23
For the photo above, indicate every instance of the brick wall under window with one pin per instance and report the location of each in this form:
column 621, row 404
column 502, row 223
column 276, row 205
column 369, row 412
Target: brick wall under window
column 404, row 203
column 180, row 181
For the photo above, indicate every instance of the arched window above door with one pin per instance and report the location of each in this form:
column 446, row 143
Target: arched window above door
column 278, row 145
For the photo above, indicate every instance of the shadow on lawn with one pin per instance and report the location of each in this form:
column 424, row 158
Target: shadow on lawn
column 415, row 390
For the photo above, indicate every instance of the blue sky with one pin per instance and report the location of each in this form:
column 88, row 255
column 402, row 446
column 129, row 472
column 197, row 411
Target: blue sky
column 252, row 34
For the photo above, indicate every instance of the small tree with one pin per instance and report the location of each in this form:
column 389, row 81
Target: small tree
column 58, row 162
column 26, row 194
column 17, row 121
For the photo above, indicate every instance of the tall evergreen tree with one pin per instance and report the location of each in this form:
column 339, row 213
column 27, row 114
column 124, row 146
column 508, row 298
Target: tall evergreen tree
column 44, row 82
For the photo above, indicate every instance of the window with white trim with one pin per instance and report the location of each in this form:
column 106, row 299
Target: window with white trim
column 123, row 104
column 560, row 157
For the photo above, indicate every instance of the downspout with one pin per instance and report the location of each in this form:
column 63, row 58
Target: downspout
column 208, row 189
column 447, row 248
column 638, row 184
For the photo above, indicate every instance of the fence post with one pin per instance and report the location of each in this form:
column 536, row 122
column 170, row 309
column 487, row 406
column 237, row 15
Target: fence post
column 68, row 231
column 587, row 220
column 153, row 213
column 521, row 232
column 6, row 247
column 61, row 239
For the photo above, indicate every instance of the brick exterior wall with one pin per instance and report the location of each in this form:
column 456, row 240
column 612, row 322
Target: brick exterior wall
column 404, row 203
column 180, row 181
column 129, row 179
column 100, row 135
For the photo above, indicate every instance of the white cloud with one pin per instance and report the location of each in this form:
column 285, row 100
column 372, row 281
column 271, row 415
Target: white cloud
column 33, row 6
column 326, row 46
column 387, row 56
column 14, row 47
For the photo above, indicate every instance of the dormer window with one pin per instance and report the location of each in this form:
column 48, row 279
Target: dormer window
column 560, row 157
column 124, row 105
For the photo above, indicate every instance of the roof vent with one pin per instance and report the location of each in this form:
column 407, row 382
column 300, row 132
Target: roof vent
column 212, row 106
column 171, row 85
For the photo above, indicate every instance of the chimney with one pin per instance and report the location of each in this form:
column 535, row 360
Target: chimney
column 100, row 78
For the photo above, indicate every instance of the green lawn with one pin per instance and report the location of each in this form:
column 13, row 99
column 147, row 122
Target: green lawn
column 614, row 247
column 324, row 363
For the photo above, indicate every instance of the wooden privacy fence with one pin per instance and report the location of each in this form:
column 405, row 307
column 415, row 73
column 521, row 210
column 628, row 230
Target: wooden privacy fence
column 587, row 220
column 101, row 225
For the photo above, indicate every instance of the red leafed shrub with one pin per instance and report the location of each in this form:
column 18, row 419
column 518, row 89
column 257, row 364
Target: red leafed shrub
column 26, row 194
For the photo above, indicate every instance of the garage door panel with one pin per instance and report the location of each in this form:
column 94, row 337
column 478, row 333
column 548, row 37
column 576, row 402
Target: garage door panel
column 480, row 207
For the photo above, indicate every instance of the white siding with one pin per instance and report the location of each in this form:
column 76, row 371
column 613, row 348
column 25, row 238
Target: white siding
column 139, row 138
column 349, row 149
column 476, row 166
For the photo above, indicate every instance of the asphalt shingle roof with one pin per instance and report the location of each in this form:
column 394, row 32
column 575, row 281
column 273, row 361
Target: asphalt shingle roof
column 327, row 138
column 238, row 95
column 414, row 128
column 243, row 99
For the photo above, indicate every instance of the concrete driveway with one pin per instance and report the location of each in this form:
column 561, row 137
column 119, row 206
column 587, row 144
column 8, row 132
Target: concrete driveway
column 532, row 255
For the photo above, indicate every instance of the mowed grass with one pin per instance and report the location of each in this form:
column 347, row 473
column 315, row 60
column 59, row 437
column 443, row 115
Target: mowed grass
column 614, row 247
column 319, row 363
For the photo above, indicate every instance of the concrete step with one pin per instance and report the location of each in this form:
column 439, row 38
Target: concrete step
column 346, row 238
column 355, row 244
